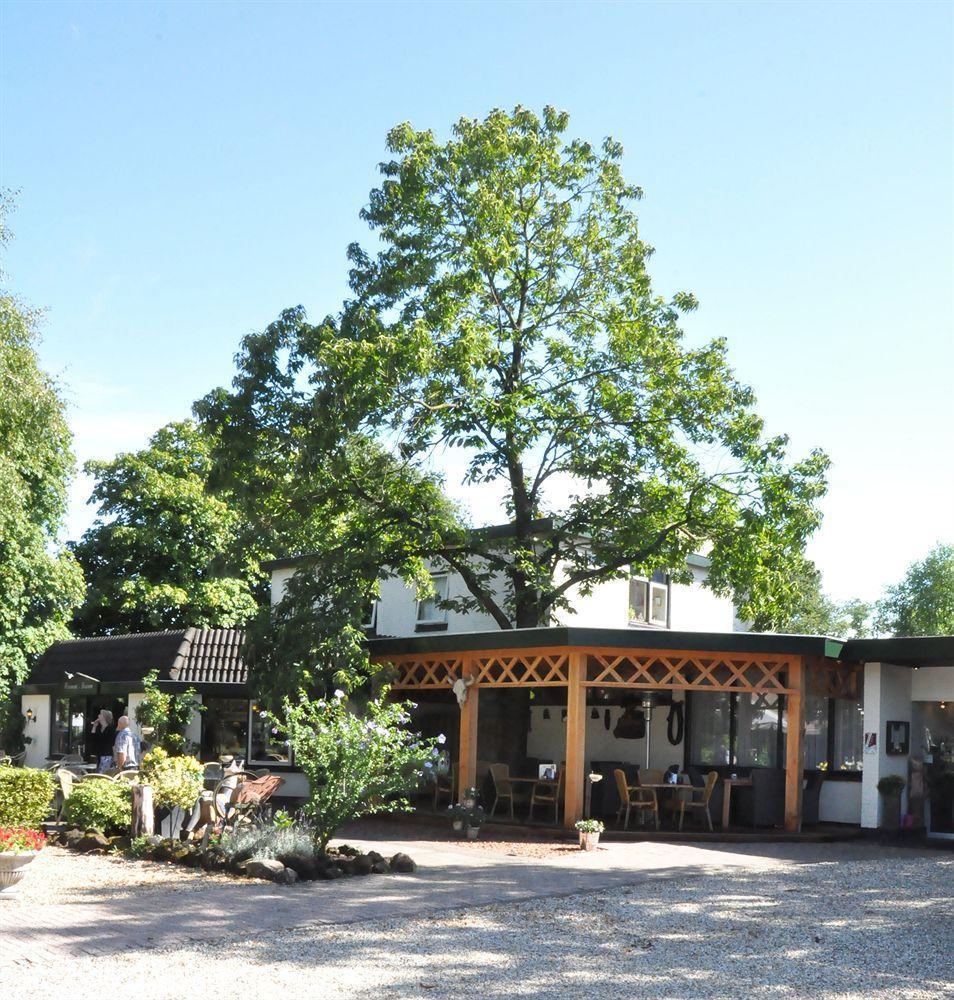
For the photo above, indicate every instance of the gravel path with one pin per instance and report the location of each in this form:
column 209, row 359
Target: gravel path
column 813, row 922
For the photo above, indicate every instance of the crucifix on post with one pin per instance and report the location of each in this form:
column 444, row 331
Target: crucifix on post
column 467, row 695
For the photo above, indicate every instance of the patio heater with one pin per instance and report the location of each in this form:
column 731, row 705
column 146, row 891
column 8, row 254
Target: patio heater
column 648, row 713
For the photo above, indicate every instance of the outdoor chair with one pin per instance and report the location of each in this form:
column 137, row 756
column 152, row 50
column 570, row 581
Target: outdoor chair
column 128, row 775
column 249, row 795
column 547, row 794
column 66, row 780
column 811, row 798
column 688, row 799
column 647, row 776
column 503, row 789
column 634, row 797
column 16, row 759
column 445, row 784
column 763, row 804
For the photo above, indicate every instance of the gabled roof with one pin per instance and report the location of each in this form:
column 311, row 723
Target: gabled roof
column 188, row 656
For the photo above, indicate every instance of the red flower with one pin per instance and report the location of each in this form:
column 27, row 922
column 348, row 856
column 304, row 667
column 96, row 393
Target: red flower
column 19, row 839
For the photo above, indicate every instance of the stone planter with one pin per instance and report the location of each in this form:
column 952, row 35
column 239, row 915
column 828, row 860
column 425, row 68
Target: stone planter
column 458, row 825
column 12, row 871
column 891, row 811
column 169, row 821
column 473, row 832
column 589, row 841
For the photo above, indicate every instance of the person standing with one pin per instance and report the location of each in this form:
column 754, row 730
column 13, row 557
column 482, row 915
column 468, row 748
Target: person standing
column 101, row 739
column 127, row 748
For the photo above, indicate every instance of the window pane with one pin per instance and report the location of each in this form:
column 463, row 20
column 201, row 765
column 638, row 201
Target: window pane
column 268, row 746
column 756, row 730
column 816, row 733
column 849, row 735
column 427, row 607
column 660, row 605
column 709, row 739
column 61, row 726
column 224, row 728
column 638, row 600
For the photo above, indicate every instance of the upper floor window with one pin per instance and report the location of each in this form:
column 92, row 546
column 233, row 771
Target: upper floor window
column 369, row 618
column 429, row 611
column 649, row 600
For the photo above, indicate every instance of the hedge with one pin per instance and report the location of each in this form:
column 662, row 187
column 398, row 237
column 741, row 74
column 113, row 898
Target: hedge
column 25, row 796
column 99, row 805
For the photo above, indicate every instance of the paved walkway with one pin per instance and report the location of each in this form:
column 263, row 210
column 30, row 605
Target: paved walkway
column 88, row 905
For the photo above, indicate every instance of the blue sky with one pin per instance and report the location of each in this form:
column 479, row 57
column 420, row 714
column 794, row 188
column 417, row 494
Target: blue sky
column 185, row 171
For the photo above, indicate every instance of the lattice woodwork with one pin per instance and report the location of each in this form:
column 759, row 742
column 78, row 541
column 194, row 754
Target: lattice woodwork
column 522, row 669
column 830, row 679
column 688, row 671
column 426, row 670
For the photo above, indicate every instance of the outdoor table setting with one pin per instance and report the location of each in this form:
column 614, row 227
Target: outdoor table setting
column 728, row 785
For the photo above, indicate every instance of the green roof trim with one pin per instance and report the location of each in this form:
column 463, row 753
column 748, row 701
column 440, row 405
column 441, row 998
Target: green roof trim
column 833, row 648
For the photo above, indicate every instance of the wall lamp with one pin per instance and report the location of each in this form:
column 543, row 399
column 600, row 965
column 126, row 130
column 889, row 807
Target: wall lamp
column 30, row 715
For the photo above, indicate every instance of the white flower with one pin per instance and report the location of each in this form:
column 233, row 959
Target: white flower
column 442, row 739
column 339, row 694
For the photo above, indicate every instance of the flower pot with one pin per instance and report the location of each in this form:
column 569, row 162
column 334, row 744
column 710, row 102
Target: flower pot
column 589, row 841
column 458, row 825
column 473, row 832
column 12, row 871
column 891, row 811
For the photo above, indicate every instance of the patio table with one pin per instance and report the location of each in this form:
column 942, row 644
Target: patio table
column 729, row 784
column 666, row 786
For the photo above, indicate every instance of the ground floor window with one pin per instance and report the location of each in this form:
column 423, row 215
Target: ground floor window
column 224, row 727
column 756, row 730
column 849, row 725
column 816, row 733
column 710, row 738
column 268, row 744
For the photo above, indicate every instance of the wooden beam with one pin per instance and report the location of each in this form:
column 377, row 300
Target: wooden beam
column 467, row 766
column 574, row 783
column 795, row 744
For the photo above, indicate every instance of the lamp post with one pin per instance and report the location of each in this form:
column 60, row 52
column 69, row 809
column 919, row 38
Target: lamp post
column 648, row 714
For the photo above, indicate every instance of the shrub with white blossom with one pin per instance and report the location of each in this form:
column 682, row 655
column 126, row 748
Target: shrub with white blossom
column 358, row 762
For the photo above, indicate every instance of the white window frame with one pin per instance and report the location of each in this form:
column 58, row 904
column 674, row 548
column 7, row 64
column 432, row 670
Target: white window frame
column 634, row 619
column 372, row 623
column 438, row 595
column 664, row 589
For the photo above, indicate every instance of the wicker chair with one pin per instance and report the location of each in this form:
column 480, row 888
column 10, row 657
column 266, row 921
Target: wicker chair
column 548, row 794
column 503, row 789
column 688, row 800
column 634, row 797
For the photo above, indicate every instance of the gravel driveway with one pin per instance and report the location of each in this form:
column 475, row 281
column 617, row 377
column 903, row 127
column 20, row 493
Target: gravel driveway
column 789, row 921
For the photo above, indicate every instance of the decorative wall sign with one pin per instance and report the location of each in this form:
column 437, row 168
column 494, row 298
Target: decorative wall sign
column 871, row 743
column 897, row 739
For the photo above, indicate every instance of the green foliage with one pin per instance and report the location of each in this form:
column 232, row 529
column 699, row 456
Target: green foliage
column 923, row 602
column 356, row 764
column 99, row 805
column 166, row 716
column 13, row 738
column 589, row 826
column 508, row 324
column 25, row 796
column 40, row 583
column 166, row 550
column 812, row 612
column 891, row 784
column 176, row 781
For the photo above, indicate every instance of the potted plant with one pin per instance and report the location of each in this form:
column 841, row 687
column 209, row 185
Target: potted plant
column 457, row 811
column 469, row 814
column 474, row 820
column 589, row 830
column 891, row 786
column 18, row 847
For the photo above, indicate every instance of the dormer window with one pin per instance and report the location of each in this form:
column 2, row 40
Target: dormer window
column 369, row 619
column 429, row 611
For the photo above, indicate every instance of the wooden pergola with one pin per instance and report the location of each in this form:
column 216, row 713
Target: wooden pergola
column 578, row 659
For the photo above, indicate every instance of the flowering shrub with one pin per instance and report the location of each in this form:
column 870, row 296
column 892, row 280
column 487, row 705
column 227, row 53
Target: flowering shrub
column 99, row 805
column 25, row 796
column 176, row 781
column 356, row 763
column 18, row 840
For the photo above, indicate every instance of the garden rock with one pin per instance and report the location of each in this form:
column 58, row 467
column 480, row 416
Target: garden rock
column 403, row 863
column 287, row 876
column 381, row 867
column 72, row 838
column 331, row 872
column 93, row 842
column 267, row 868
column 303, row 865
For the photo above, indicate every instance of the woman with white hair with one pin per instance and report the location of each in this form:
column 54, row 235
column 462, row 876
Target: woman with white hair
column 101, row 737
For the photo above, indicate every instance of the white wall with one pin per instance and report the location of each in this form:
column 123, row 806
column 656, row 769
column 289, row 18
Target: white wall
column 547, row 738
column 932, row 684
column 193, row 731
column 695, row 608
column 887, row 698
column 131, row 706
column 38, row 750
column 840, row 802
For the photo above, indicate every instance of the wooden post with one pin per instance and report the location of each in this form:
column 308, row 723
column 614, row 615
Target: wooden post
column 467, row 766
column 795, row 745
column 574, row 783
column 143, row 817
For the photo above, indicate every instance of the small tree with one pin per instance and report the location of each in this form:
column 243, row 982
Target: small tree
column 165, row 715
column 356, row 763
column 923, row 602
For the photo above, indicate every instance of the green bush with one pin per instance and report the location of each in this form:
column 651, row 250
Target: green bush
column 176, row 781
column 25, row 796
column 99, row 805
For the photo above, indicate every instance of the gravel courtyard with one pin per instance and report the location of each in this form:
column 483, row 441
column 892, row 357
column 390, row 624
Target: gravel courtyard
column 660, row 920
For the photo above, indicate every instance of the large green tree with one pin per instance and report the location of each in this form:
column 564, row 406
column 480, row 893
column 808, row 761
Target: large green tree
column 40, row 582
column 166, row 550
column 508, row 317
column 922, row 603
